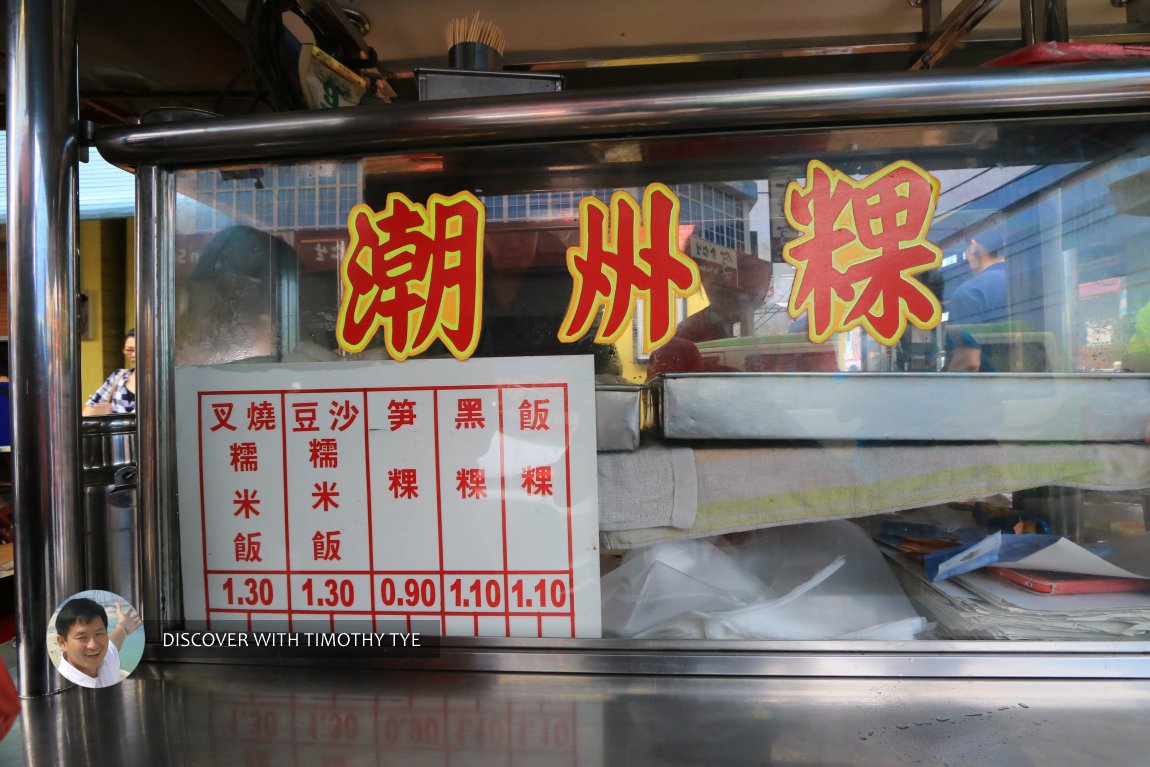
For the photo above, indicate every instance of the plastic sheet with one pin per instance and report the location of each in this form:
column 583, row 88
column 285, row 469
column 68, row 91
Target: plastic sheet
column 1047, row 54
column 805, row 582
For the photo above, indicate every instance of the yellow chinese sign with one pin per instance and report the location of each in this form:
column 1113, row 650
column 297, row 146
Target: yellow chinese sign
column 417, row 273
column 626, row 253
column 861, row 246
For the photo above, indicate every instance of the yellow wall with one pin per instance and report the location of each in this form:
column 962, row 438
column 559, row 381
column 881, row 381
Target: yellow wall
column 105, row 272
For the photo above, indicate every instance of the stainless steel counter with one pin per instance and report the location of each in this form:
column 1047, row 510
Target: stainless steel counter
column 184, row 714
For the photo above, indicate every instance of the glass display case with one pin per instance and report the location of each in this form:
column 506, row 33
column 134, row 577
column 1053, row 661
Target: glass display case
column 957, row 454
column 889, row 378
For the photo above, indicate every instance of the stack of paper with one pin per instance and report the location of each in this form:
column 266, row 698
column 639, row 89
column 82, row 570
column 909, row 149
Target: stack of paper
column 979, row 605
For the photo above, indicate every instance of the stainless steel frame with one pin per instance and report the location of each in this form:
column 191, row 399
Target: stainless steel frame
column 631, row 112
column 987, row 660
column 42, row 213
column 581, row 116
column 161, row 596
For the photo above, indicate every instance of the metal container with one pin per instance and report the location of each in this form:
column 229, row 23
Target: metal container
column 475, row 56
column 617, row 417
column 108, row 450
column 442, row 84
column 901, row 406
column 107, row 441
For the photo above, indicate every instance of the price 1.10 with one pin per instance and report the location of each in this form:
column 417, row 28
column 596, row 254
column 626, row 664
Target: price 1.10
column 524, row 594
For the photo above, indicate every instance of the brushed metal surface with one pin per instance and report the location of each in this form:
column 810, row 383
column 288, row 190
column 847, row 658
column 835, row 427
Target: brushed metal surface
column 617, row 417
column 631, row 112
column 904, row 406
column 176, row 714
column 956, row 660
column 42, row 153
column 161, row 603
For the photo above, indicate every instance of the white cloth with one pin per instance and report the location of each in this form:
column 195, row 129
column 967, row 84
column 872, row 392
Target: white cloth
column 748, row 487
column 107, row 675
column 652, row 487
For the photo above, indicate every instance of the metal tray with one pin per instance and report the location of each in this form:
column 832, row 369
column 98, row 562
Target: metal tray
column 617, row 417
column 901, row 406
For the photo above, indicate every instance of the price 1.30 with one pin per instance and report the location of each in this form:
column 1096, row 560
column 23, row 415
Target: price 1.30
column 331, row 593
column 249, row 592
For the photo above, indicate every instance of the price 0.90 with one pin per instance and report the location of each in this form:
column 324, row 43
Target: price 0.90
column 411, row 592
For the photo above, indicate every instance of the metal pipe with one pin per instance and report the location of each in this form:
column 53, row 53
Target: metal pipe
column 42, row 145
column 161, row 594
column 630, row 112
column 966, row 16
column 155, row 409
column 1044, row 21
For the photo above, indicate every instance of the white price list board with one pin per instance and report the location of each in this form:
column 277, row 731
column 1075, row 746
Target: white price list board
column 429, row 495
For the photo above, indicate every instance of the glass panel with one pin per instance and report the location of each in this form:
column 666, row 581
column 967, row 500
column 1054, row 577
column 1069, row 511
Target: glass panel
column 847, row 419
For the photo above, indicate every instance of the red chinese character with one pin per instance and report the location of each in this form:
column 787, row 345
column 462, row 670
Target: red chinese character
column 614, row 268
column 246, row 502
column 325, row 546
column 862, row 244
column 305, row 415
column 222, row 411
column 533, row 415
column 261, row 416
column 400, row 413
column 537, row 480
column 417, row 273
column 324, row 453
column 342, row 414
column 244, row 456
column 471, row 483
column 247, row 547
column 325, row 495
column 469, row 414
column 402, row 483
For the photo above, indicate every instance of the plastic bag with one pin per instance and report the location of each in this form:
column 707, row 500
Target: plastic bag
column 818, row 581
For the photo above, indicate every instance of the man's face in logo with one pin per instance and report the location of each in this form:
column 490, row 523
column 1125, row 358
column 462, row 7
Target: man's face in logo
column 86, row 645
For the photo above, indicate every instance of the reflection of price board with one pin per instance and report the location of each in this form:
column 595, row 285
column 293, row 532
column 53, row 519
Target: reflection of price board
column 463, row 496
column 717, row 265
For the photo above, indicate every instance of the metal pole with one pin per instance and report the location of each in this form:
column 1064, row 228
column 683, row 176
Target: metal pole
column 42, row 142
column 632, row 112
column 1044, row 21
column 160, row 585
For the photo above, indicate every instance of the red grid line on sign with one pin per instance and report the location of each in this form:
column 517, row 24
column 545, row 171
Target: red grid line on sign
column 443, row 573
column 370, row 532
column 570, row 531
column 287, row 503
column 438, row 503
column 203, row 512
column 358, row 389
column 503, row 515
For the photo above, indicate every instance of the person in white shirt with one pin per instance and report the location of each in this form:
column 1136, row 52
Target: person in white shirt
column 90, row 653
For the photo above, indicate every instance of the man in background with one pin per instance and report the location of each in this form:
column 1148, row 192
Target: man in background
column 981, row 299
